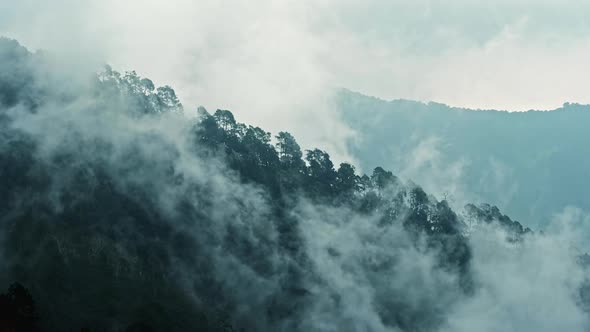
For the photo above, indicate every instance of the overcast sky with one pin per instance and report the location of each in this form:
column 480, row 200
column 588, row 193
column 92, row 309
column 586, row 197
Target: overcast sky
column 273, row 62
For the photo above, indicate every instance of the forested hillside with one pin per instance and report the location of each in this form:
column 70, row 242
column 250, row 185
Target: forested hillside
column 531, row 164
column 118, row 212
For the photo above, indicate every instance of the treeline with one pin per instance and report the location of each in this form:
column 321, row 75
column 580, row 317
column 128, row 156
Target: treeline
column 123, row 229
column 531, row 164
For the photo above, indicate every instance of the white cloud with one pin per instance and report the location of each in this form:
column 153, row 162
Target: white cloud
column 274, row 63
column 528, row 286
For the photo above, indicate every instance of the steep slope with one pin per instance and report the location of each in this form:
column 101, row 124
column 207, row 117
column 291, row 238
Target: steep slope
column 120, row 213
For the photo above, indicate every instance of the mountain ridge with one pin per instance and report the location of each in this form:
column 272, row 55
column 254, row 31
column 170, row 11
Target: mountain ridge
column 566, row 106
column 120, row 213
column 508, row 158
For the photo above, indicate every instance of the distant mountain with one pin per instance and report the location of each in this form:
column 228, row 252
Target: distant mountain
column 531, row 164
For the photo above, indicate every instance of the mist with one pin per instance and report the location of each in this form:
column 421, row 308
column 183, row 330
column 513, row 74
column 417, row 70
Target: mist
column 112, row 195
column 124, row 206
column 276, row 64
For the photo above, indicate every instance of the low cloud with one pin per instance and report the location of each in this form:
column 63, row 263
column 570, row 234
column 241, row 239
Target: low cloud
column 276, row 64
column 359, row 274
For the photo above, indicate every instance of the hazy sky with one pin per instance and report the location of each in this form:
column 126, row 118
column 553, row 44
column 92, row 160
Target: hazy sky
column 273, row 62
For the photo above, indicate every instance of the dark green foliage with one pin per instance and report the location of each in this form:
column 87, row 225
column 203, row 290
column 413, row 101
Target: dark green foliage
column 382, row 178
column 292, row 167
column 321, row 174
column 114, row 236
column 140, row 92
column 489, row 214
column 290, row 154
column 347, row 182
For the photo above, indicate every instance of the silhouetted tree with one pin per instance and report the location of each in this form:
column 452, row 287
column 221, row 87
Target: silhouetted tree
column 168, row 100
column 347, row 181
column 322, row 176
column 382, row 178
column 17, row 310
column 289, row 151
column 225, row 119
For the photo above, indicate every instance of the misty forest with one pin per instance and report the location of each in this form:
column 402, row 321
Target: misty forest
column 121, row 209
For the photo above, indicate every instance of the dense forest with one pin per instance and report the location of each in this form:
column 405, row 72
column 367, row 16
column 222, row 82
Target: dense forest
column 531, row 164
column 119, row 212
